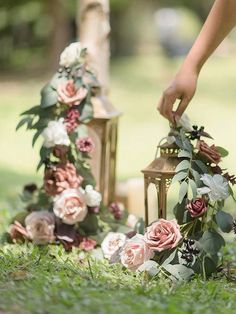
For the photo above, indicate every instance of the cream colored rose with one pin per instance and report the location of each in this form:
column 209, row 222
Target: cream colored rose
column 55, row 134
column 40, row 226
column 131, row 221
column 92, row 197
column 112, row 243
column 70, row 55
column 70, row 206
column 135, row 252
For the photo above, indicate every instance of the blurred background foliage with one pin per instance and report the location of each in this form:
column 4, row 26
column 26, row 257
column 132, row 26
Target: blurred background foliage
column 148, row 40
column 31, row 29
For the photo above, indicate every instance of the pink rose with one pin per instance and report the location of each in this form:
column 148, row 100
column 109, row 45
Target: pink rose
column 40, row 226
column 85, row 145
column 70, row 206
column 87, row 244
column 17, row 231
column 69, row 95
column 162, row 235
column 61, row 177
column 135, row 252
column 197, row 207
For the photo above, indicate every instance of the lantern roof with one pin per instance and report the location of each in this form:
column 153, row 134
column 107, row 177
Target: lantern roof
column 166, row 163
column 103, row 109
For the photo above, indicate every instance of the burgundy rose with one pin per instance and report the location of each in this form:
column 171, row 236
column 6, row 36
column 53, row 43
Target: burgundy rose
column 69, row 95
column 85, row 145
column 61, row 177
column 197, row 207
column 72, row 120
column 162, row 235
column 210, row 152
column 117, row 209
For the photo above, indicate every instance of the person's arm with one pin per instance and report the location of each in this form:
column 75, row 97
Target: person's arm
column 219, row 23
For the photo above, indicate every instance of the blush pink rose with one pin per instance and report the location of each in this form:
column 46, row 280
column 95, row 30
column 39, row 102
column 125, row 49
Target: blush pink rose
column 135, row 252
column 70, row 206
column 162, row 235
column 17, row 231
column 87, row 244
column 69, row 95
column 197, row 207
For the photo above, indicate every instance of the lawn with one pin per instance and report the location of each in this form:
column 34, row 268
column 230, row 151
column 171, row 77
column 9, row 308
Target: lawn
column 37, row 280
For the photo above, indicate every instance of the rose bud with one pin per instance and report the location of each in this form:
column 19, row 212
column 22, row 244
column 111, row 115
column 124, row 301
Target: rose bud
column 197, row 207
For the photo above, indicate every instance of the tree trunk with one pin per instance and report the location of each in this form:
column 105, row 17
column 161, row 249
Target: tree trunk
column 94, row 31
column 60, row 34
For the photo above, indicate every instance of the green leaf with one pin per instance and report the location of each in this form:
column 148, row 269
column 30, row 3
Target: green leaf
column 212, row 241
column 179, row 210
column 179, row 272
column 193, row 188
column 224, row 221
column 26, row 120
column 86, row 113
column 223, row 152
column 34, row 110
column 183, row 191
column 196, row 175
column 184, row 154
column 184, row 164
column 49, row 96
column 151, row 267
column 201, row 166
column 36, row 136
column 90, row 224
column 179, row 176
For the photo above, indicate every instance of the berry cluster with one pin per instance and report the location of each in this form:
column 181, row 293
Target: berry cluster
column 189, row 251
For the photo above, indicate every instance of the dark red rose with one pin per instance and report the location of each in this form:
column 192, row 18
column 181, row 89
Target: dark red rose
column 197, row 207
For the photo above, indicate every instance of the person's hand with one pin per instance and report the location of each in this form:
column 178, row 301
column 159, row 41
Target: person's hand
column 182, row 88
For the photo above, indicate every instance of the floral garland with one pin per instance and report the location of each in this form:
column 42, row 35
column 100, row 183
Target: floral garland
column 189, row 244
column 67, row 208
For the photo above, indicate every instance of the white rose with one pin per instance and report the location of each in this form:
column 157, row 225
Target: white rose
column 131, row 221
column 70, row 206
column 55, row 134
column 216, row 187
column 185, row 123
column 112, row 242
column 70, row 55
column 92, row 197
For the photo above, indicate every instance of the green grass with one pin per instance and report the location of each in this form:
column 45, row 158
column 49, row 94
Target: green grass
column 45, row 280
column 34, row 280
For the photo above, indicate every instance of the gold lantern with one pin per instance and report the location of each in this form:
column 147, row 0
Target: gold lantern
column 103, row 130
column 160, row 173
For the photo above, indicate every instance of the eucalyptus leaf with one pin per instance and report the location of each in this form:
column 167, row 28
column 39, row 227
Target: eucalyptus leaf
column 151, row 267
column 49, row 96
column 223, row 152
column 184, row 164
column 193, row 188
column 201, row 166
column 224, row 221
column 179, row 272
column 86, row 112
column 212, row 241
column 196, row 175
column 183, row 191
column 179, row 176
column 184, row 154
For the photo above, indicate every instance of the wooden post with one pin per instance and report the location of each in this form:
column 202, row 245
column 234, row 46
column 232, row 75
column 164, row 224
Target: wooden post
column 94, row 31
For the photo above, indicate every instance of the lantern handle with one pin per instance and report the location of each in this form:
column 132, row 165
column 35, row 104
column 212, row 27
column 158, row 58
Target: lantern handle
column 159, row 145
